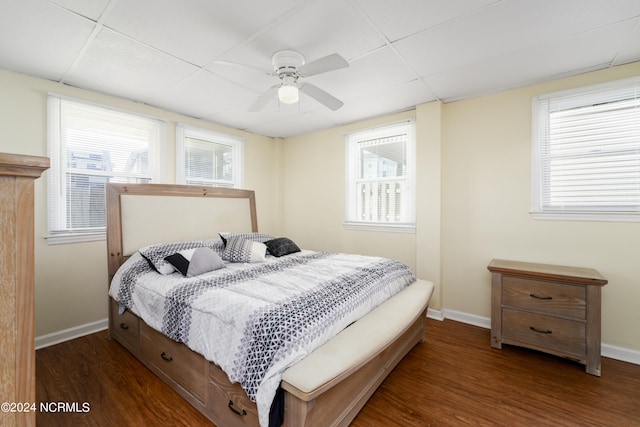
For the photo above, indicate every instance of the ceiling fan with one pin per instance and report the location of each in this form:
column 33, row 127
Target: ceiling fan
column 290, row 67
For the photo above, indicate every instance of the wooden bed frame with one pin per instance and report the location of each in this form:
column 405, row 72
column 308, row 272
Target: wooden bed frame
column 328, row 387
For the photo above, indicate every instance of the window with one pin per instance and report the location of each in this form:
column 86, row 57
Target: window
column 205, row 157
column 586, row 153
column 91, row 145
column 380, row 178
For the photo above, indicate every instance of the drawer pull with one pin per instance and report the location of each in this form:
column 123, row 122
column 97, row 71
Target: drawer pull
column 124, row 326
column 235, row 411
column 540, row 331
column 165, row 357
column 540, row 297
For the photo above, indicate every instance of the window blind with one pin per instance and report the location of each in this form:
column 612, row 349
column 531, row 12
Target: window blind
column 205, row 157
column 90, row 145
column 587, row 150
column 380, row 183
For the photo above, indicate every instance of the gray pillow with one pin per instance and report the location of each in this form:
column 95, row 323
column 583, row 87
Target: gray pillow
column 193, row 262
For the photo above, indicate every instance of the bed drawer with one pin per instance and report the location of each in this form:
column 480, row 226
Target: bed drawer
column 125, row 327
column 176, row 360
column 545, row 297
column 560, row 336
column 229, row 402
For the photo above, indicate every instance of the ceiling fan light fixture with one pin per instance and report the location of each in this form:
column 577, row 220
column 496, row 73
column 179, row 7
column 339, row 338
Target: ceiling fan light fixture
column 288, row 92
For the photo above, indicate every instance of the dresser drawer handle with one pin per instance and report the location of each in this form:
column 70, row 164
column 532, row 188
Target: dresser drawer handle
column 540, row 296
column 540, row 331
column 235, row 411
column 124, row 326
column 165, row 357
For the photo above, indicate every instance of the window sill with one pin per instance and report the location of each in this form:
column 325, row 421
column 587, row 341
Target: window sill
column 384, row 228
column 64, row 238
column 587, row 216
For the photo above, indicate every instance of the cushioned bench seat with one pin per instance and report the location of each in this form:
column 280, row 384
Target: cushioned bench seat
column 359, row 343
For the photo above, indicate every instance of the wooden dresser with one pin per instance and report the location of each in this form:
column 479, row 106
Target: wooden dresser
column 17, row 294
column 550, row 308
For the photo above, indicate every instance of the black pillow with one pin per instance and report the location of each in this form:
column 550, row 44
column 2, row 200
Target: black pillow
column 281, row 246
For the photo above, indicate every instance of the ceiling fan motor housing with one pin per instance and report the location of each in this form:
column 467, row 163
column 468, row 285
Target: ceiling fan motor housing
column 286, row 62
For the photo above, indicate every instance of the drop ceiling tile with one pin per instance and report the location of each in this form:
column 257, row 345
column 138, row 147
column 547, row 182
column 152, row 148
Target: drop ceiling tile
column 91, row 9
column 40, row 39
column 202, row 94
column 120, row 66
column 316, row 30
column 259, row 122
column 394, row 21
column 385, row 100
column 284, row 127
column 507, row 27
column 579, row 53
column 629, row 47
column 247, row 76
column 194, row 30
column 381, row 68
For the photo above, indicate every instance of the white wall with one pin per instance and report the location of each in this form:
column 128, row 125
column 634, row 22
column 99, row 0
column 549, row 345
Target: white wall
column 486, row 163
column 71, row 279
column 473, row 190
column 473, row 196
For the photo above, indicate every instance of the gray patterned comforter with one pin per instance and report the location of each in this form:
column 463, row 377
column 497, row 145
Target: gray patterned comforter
column 255, row 320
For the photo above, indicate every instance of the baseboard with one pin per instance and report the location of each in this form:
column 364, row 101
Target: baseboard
column 71, row 333
column 471, row 319
column 435, row 314
column 611, row 351
column 607, row 350
column 620, row 353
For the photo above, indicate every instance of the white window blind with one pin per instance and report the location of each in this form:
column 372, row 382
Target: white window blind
column 91, row 145
column 586, row 152
column 205, row 157
column 380, row 177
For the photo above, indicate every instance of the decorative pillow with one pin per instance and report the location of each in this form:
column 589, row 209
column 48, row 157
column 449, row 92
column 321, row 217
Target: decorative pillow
column 193, row 262
column 239, row 249
column 156, row 254
column 254, row 237
column 281, row 246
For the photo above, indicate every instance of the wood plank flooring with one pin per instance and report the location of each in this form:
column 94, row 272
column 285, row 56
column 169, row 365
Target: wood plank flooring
column 454, row 378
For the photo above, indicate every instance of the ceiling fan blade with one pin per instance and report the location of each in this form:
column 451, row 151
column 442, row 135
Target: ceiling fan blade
column 322, row 65
column 264, row 98
column 321, row 96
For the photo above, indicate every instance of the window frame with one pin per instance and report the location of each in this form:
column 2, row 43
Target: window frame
column 540, row 143
column 184, row 131
column 351, row 177
column 57, row 230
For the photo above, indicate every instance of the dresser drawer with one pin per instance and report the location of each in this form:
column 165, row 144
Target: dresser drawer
column 561, row 336
column 184, row 366
column 545, row 297
column 241, row 411
column 125, row 327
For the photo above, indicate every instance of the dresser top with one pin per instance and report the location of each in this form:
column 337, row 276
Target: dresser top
column 22, row 165
column 578, row 275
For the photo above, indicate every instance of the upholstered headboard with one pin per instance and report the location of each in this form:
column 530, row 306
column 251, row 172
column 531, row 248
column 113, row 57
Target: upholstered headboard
column 144, row 214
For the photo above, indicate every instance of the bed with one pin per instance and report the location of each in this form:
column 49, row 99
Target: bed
column 323, row 380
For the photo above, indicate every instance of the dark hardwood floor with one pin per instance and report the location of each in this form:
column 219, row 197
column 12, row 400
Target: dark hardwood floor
column 454, row 378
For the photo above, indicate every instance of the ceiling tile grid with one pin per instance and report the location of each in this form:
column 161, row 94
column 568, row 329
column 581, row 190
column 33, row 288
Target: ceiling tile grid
column 211, row 59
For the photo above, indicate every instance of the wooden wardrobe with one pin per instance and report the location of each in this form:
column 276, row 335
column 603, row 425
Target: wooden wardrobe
column 17, row 294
